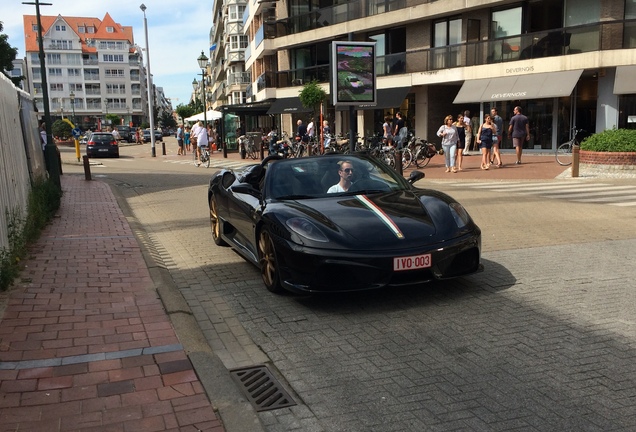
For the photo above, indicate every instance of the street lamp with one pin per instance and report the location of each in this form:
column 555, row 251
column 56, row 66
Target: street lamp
column 149, row 85
column 203, row 64
column 72, row 96
column 51, row 157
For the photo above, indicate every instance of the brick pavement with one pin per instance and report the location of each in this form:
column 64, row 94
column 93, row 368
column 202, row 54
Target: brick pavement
column 85, row 343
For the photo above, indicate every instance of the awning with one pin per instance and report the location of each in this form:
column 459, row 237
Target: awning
column 533, row 86
column 209, row 115
column 624, row 82
column 289, row 105
column 387, row 98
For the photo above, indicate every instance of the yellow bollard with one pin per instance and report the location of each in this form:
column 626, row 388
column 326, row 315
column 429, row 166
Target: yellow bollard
column 77, row 149
column 575, row 160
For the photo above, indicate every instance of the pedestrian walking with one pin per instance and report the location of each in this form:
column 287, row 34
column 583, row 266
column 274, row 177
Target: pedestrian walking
column 484, row 138
column 460, row 125
column 497, row 139
column 180, row 143
column 468, row 133
column 519, row 130
column 448, row 133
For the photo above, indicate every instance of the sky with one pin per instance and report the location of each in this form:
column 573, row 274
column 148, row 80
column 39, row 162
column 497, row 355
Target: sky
column 177, row 33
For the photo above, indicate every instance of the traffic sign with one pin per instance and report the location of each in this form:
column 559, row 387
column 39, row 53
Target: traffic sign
column 77, row 133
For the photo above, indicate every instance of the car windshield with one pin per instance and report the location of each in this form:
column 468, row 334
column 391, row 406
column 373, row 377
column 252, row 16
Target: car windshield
column 312, row 177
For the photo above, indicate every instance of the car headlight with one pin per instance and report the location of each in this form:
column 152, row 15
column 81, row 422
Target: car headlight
column 305, row 228
column 459, row 214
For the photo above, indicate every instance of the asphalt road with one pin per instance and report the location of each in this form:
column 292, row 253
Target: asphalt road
column 543, row 339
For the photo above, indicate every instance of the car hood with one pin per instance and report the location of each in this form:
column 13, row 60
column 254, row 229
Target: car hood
column 396, row 219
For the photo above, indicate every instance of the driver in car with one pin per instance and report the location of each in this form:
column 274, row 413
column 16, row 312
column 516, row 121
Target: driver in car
column 346, row 175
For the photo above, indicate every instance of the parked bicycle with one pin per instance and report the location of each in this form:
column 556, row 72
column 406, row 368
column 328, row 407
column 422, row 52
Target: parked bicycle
column 564, row 151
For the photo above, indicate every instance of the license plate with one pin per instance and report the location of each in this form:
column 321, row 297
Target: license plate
column 104, row 150
column 412, row 262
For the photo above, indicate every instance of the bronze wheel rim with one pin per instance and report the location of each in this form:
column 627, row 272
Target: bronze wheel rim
column 267, row 259
column 214, row 219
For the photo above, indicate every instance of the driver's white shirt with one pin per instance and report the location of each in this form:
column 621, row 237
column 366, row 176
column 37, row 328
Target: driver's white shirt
column 336, row 188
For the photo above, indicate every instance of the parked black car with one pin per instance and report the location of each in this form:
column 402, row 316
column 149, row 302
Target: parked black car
column 126, row 133
column 158, row 135
column 101, row 144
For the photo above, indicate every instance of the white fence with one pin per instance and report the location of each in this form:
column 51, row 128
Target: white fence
column 21, row 156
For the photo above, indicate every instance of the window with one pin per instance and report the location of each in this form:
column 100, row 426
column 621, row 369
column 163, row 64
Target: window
column 35, row 58
column 112, row 45
column 110, row 30
column 91, row 74
column 90, row 29
column 74, row 72
column 55, row 71
column 93, row 89
column 582, row 12
column 505, row 23
column 75, row 87
column 236, row 12
column 36, row 73
column 135, row 89
column 238, row 98
column 116, row 88
column 60, row 28
column 54, row 59
column 134, row 75
column 238, row 42
column 114, row 72
column 81, row 29
column 37, row 88
column 56, row 87
column 61, row 44
column 34, row 27
column 447, row 33
column 74, row 59
column 113, row 57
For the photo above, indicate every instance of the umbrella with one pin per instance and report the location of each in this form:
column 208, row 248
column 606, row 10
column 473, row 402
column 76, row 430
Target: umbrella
column 210, row 115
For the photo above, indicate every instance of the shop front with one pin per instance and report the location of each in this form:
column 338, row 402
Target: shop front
column 550, row 101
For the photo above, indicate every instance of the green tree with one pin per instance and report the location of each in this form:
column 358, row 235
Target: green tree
column 312, row 95
column 7, row 55
column 61, row 129
column 114, row 119
column 185, row 111
column 167, row 120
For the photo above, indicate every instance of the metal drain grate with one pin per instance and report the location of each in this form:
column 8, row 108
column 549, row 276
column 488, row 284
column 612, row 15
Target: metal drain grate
column 261, row 388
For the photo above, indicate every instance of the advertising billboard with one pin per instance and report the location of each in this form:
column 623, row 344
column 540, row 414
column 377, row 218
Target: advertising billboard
column 353, row 73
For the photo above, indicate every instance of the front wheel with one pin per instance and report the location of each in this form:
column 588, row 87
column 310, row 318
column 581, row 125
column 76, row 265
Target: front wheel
column 268, row 262
column 421, row 158
column 215, row 223
column 564, row 154
column 407, row 158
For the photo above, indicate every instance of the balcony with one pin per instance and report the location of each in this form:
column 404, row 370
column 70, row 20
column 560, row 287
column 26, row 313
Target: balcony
column 339, row 14
column 556, row 42
column 90, row 62
column 239, row 78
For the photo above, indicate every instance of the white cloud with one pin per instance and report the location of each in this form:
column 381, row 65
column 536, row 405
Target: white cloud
column 177, row 32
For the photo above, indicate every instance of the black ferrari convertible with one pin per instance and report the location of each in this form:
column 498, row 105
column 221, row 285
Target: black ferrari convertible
column 372, row 229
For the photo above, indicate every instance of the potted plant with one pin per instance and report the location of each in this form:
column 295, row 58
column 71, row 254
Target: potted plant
column 612, row 147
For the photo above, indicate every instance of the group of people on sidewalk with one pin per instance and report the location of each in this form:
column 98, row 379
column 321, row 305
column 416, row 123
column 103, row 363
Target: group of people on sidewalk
column 457, row 135
column 193, row 139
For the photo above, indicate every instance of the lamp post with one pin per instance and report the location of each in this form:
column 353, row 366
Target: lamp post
column 203, row 64
column 149, row 85
column 51, row 157
column 72, row 96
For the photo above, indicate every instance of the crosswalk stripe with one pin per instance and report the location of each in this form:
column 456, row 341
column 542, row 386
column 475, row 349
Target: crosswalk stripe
column 599, row 193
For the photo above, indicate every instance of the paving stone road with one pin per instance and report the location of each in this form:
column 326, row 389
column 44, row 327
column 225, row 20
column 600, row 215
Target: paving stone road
column 544, row 339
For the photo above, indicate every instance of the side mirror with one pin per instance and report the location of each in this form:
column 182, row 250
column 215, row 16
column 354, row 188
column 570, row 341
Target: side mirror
column 415, row 176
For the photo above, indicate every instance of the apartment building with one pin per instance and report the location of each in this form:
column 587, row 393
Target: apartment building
column 567, row 63
column 93, row 68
